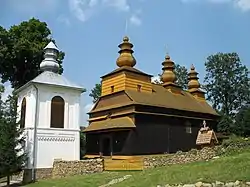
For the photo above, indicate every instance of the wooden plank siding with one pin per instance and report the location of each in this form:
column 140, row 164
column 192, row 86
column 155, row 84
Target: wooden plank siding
column 123, row 163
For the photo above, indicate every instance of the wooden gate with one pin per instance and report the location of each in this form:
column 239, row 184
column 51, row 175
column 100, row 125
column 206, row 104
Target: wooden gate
column 122, row 163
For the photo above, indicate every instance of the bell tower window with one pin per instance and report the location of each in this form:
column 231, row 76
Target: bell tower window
column 57, row 112
column 23, row 113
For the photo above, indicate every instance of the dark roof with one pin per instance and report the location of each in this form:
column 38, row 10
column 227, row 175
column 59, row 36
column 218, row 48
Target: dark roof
column 161, row 97
column 127, row 68
column 111, row 123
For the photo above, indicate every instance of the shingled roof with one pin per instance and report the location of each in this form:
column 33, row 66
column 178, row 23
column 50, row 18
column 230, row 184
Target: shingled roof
column 161, row 97
column 124, row 122
column 127, row 68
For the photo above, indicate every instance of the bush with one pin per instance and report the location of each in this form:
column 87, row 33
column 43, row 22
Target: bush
column 234, row 144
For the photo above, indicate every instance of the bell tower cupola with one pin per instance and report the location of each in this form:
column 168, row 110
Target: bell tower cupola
column 50, row 58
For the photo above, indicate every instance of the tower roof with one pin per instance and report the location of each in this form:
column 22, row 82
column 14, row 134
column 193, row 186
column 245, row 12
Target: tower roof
column 168, row 75
column 193, row 83
column 50, row 58
column 50, row 75
column 126, row 57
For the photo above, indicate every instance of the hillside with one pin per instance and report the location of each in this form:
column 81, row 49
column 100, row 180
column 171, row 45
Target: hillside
column 225, row 169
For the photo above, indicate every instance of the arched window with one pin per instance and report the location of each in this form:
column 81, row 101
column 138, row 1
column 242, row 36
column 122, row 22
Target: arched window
column 23, row 113
column 57, row 112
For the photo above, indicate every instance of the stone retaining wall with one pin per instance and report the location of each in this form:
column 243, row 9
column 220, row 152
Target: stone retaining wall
column 70, row 168
column 26, row 174
column 179, row 157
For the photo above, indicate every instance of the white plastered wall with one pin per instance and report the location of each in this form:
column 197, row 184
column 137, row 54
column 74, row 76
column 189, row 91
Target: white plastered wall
column 52, row 143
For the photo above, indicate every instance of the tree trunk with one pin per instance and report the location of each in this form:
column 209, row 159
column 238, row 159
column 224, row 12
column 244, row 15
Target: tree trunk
column 8, row 180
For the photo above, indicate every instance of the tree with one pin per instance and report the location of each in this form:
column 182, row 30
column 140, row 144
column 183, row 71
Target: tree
column 82, row 144
column 12, row 156
column 21, row 51
column 95, row 93
column 241, row 126
column 181, row 73
column 227, row 83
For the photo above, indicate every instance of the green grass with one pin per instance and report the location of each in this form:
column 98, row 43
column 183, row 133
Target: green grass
column 225, row 169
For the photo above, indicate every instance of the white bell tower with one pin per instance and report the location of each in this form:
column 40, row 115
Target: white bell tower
column 49, row 108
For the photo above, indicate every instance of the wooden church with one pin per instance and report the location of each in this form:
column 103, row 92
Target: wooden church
column 134, row 116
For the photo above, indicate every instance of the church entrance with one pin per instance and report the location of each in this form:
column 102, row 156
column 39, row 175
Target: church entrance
column 106, row 146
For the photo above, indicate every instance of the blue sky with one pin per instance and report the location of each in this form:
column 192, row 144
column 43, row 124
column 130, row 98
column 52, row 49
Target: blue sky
column 88, row 31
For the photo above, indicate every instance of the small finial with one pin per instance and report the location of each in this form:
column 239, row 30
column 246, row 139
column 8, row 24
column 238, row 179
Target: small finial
column 167, row 57
column 126, row 57
column 126, row 39
column 192, row 67
column 50, row 58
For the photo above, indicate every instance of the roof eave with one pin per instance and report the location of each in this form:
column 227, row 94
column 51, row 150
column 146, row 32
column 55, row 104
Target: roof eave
column 142, row 104
column 62, row 86
column 82, row 90
column 111, row 73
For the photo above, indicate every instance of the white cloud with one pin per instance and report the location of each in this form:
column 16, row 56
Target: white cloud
column 135, row 20
column 64, row 20
column 244, row 5
column 121, row 5
column 84, row 9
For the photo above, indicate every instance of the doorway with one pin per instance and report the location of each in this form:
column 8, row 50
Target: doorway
column 106, row 146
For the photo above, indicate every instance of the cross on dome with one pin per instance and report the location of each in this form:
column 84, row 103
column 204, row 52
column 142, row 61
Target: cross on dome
column 50, row 58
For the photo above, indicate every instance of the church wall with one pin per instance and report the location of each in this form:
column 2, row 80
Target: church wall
column 155, row 135
column 119, row 142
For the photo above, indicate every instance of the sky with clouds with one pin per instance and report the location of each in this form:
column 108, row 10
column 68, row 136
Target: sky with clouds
column 88, row 31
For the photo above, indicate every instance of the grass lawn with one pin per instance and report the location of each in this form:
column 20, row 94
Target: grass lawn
column 225, row 169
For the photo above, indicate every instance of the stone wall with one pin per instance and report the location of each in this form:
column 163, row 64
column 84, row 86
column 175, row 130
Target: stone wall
column 26, row 174
column 214, row 184
column 180, row 157
column 70, row 168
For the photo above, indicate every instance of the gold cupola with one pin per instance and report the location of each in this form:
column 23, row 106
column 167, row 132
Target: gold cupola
column 168, row 76
column 193, row 84
column 126, row 57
